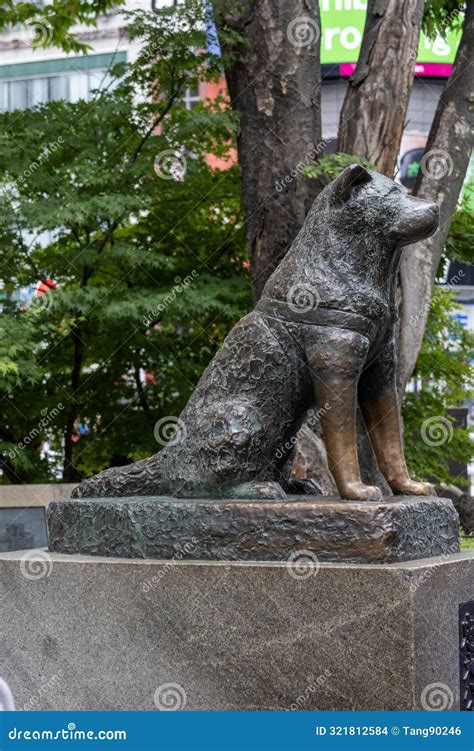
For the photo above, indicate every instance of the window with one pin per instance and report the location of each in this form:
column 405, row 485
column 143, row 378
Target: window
column 191, row 97
column 27, row 92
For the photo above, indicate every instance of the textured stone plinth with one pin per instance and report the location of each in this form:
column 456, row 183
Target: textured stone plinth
column 397, row 529
column 82, row 632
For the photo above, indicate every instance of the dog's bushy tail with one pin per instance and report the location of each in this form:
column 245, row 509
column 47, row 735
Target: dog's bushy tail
column 140, row 478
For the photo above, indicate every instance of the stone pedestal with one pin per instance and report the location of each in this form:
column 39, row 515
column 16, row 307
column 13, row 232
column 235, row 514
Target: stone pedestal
column 397, row 529
column 83, row 632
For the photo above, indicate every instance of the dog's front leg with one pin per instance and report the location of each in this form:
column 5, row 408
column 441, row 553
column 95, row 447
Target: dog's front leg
column 379, row 404
column 336, row 359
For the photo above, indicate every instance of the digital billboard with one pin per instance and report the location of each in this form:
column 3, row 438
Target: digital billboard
column 342, row 23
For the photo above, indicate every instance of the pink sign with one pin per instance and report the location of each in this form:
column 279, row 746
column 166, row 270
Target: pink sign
column 347, row 69
column 440, row 70
column 443, row 70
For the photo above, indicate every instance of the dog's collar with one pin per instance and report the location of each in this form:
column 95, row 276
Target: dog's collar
column 317, row 315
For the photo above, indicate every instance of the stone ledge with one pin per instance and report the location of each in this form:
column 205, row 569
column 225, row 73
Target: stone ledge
column 39, row 494
column 397, row 529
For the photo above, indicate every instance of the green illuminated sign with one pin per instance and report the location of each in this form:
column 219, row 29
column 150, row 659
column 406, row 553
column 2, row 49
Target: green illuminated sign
column 343, row 25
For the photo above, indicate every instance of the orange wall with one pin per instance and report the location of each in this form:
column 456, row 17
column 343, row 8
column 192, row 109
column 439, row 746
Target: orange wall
column 211, row 90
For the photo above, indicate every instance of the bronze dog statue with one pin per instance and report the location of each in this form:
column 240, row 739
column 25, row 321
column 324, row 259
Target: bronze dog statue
column 322, row 334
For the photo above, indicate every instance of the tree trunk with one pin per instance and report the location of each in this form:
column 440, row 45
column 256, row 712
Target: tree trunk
column 15, row 476
column 373, row 114
column 273, row 78
column 440, row 179
column 70, row 473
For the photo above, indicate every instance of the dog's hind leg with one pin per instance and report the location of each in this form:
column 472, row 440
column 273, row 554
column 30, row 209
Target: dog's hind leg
column 228, row 453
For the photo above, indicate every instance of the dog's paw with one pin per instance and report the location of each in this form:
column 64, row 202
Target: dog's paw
column 412, row 487
column 358, row 491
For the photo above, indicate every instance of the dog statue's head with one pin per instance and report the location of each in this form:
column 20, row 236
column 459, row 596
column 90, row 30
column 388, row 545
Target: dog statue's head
column 369, row 202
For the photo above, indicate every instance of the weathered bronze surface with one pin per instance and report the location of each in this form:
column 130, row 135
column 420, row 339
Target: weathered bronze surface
column 307, row 530
column 322, row 336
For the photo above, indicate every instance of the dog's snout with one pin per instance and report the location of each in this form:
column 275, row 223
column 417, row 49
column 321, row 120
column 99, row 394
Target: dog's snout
column 434, row 208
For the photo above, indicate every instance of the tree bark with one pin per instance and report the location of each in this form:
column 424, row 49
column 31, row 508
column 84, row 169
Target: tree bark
column 373, row 113
column 70, row 473
column 443, row 170
column 273, row 78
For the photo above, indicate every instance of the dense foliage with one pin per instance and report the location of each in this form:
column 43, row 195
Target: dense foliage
column 114, row 201
column 48, row 24
column 443, row 379
column 460, row 244
column 442, row 16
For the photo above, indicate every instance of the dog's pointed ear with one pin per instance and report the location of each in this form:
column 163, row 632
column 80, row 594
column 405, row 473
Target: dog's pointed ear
column 354, row 175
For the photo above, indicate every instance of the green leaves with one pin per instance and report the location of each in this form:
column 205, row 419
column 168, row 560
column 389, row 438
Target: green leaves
column 149, row 264
column 444, row 380
column 460, row 243
column 442, row 16
column 329, row 166
column 50, row 24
